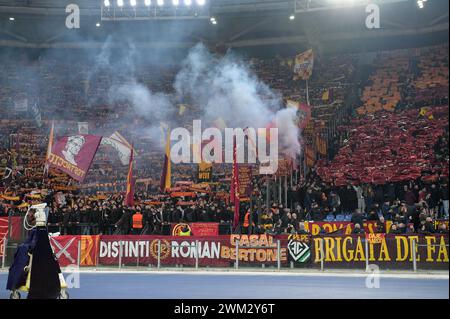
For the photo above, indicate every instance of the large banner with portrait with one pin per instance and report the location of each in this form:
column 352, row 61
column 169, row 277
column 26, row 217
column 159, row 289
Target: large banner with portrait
column 74, row 154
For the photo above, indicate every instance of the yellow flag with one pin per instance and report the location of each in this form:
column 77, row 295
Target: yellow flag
column 181, row 109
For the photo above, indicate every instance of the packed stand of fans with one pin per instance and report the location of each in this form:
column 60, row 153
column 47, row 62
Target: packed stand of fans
column 390, row 162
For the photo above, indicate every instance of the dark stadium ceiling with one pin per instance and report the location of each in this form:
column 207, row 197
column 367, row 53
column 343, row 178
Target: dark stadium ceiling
column 246, row 24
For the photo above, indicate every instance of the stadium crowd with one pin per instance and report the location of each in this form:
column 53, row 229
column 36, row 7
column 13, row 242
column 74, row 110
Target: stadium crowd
column 407, row 96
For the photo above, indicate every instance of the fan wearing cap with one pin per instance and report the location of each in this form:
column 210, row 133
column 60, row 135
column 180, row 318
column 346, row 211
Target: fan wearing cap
column 442, row 229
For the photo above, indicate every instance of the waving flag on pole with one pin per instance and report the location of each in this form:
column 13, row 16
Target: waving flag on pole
column 74, row 154
column 121, row 145
column 118, row 137
column 166, row 171
column 303, row 115
column 129, row 196
column 303, row 66
column 36, row 114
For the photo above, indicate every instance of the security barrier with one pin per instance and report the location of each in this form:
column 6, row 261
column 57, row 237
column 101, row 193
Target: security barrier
column 387, row 251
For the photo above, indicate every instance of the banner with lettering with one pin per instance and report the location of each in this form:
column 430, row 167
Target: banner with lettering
column 387, row 252
column 339, row 251
column 345, row 227
column 245, row 181
column 212, row 251
column 204, row 172
column 74, row 154
column 197, row 229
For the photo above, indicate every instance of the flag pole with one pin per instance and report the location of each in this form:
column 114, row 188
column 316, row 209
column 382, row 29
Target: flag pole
column 234, row 189
column 129, row 194
column 279, row 191
column 49, row 150
column 285, row 191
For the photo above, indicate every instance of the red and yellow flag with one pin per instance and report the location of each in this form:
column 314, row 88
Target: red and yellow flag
column 234, row 189
column 321, row 145
column 166, row 171
column 129, row 196
column 310, row 156
column 303, row 66
column 49, row 148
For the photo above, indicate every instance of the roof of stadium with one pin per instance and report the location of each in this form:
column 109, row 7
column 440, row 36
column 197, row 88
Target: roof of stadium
column 254, row 25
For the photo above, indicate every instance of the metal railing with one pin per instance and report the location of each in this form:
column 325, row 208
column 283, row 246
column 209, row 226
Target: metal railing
column 196, row 254
column 278, row 247
column 237, row 261
column 5, row 243
column 322, row 254
column 414, row 248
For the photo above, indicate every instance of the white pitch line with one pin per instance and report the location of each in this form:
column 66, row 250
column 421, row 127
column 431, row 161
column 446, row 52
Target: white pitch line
column 438, row 275
column 265, row 273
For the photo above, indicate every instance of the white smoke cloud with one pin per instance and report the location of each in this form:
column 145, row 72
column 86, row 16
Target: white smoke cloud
column 288, row 131
column 225, row 88
column 221, row 87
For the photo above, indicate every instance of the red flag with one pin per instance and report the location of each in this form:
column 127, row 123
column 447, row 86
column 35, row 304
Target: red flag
column 165, row 182
column 304, row 115
column 49, row 147
column 234, row 190
column 129, row 196
column 74, row 154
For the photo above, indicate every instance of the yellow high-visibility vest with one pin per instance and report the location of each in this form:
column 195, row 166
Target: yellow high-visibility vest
column 185, row 233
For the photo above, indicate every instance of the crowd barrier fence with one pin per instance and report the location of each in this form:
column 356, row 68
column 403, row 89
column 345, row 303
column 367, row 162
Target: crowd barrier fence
column 411, row 252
